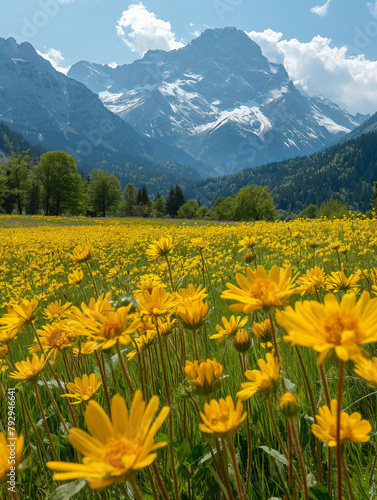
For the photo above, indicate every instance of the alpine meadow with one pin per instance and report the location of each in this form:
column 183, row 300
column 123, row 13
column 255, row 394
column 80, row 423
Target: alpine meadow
column 188, row 250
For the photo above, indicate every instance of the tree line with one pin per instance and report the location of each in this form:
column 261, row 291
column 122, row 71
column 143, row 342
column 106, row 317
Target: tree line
column 54, row 186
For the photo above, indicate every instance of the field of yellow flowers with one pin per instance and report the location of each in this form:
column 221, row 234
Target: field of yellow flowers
column 168, row 360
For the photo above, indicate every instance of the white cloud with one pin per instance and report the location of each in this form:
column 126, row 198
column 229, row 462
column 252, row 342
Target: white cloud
column 113, row 65
column 56, row 58
column 321, row 10
column 141, row 30
column 372, row 6
column 319, row 68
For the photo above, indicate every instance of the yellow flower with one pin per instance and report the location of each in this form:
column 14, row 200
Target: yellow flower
column 335, row 245
column 262, row 330
column 260, row 290
column 222, row 418
column 312, row 280
column 352, row 427
column 115, row 448
column 56, row 310
column 265, row 380
column 19, row 315
column 191, row 294
column 29, row 369
column 159, row 248
column 4, row 351
column 247, row 244
column 114, row 271
column 229, row 328
column 199, row 243
column 107, row 327
column 367, row 369
column 54, row 338
column 249, row 257
column 156, row 303
column 338, row 282
column 192, row 314
column 83, row 389
column 242, row 340
column 142, row 343
column 10, row 454
column 332, row 326
column 81, row 253
column 148, row 282
column 76, row 277
column 6, row 336
column 205, row 375
column 85, row 348
column 288, row 405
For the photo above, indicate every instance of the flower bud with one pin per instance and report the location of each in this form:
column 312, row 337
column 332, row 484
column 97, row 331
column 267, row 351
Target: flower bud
column 288, row 405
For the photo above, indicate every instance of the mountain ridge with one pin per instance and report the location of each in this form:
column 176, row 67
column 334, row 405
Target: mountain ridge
column 220, row 100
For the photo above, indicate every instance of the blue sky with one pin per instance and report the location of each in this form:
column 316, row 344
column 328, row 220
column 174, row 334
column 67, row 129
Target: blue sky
column 328, row 47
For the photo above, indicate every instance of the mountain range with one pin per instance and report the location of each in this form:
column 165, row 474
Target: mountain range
column 220, row 101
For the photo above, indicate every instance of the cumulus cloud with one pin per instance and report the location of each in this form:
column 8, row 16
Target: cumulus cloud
column 56, row 58
column 141, row 30
column 321, row 10
column 372, row 6
column 319, row 68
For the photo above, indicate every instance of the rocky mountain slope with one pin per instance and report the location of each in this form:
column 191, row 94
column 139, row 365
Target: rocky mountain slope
column 219, row 100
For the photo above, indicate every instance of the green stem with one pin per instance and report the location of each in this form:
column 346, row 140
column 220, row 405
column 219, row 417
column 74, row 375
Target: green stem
column 135, row 488
column 233, row 458
column 312, row 404
column 279, row 438
column 338, row 450
column 124, row 370
column 300, row 458
column 273, row 331
column 167, row 390
column 45, row 423
column 92, row 278
column 170, row 273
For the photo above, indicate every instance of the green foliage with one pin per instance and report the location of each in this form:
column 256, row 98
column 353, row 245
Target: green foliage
column 104, row 192
column 159, row 206
column 223, row 209
column 333, row 209
column 254, row 203
column 188, row 209
column 62, row 186
column 310, row 212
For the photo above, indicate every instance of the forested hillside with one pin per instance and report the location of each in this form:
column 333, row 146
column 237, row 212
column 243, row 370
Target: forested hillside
column 345, row 171
column 13, row 141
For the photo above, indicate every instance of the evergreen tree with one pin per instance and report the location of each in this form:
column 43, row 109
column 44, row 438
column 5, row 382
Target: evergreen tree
column 142, row 197
column 175, row 200
column 179, row 197
column 170, row 203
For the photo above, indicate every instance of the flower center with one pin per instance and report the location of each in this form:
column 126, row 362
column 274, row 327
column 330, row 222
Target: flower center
column 111, row 328
column 58, row 338
column 116, row 449
column 335, row 324
column 259, row 288
column 221, row 418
